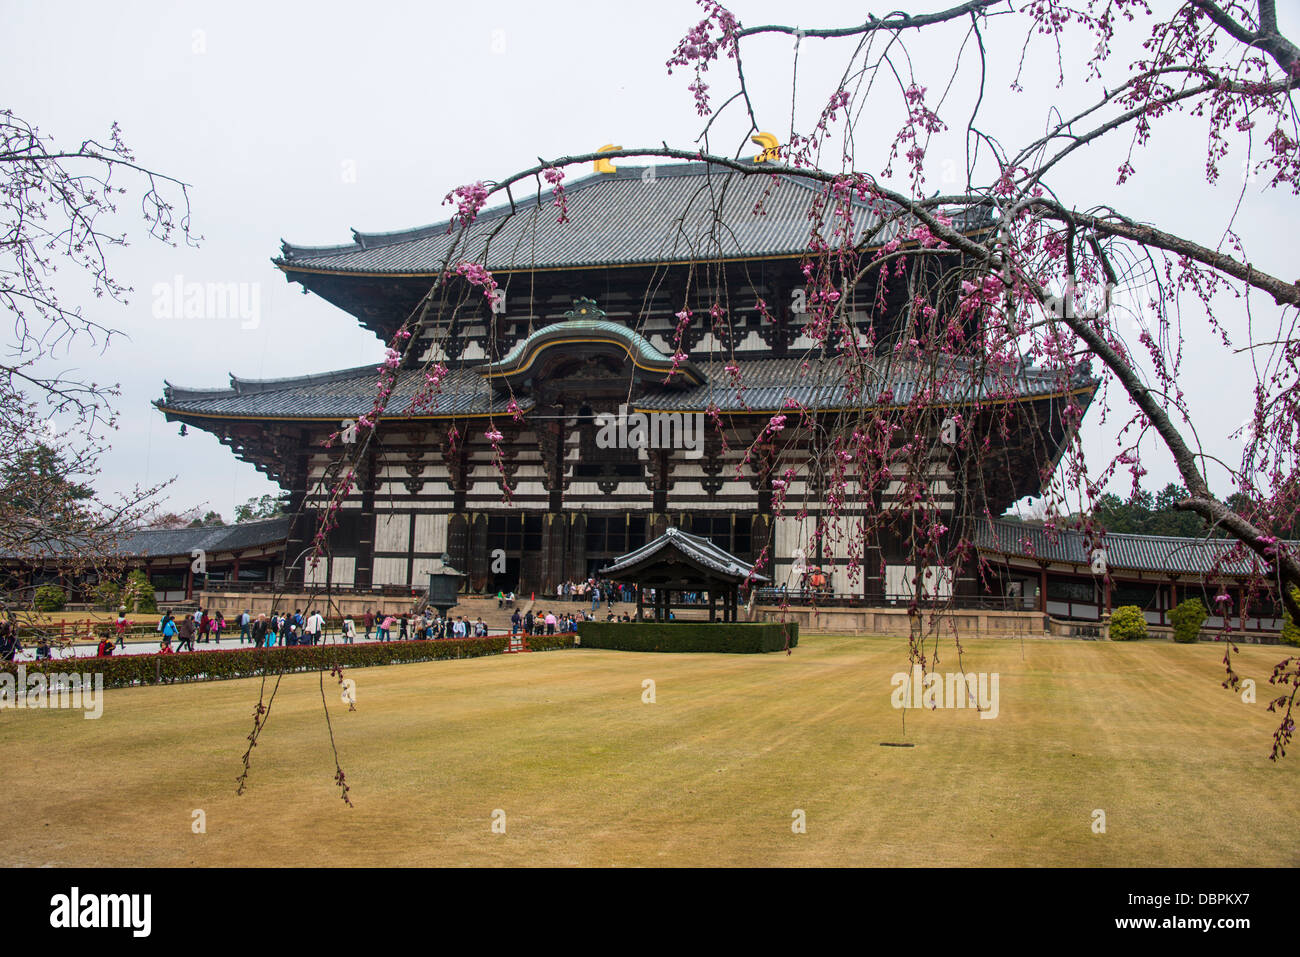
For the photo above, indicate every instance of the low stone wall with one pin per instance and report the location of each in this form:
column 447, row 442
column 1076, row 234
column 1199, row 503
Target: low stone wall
column 1163, row 632
column 994, row 624
column 895, row 621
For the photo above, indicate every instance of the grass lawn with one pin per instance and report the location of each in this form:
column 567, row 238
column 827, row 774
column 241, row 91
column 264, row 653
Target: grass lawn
column 709, row 774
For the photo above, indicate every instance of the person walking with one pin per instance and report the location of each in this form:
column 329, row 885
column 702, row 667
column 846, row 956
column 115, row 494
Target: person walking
column 168, row 628
column 218, row 627
column 314, row 628
column 369, row 620
column 205, row 626
column 258, row 631
column 245, row 625
column 349, row 630
column 185, row 634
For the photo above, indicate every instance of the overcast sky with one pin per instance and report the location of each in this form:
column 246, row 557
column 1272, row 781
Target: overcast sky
column 303, row 120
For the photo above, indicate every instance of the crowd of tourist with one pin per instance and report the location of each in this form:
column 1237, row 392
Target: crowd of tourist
column 546, row 623
column 265, row 630
column 595, row 591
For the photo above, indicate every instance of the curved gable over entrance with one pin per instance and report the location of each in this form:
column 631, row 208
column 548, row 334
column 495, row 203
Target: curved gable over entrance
column 586, row 336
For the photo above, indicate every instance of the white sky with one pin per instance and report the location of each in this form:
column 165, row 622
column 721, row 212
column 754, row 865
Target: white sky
column 266, row 108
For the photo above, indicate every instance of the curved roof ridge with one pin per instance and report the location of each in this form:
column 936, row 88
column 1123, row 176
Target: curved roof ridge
column 637, row 345
column 362, row 240
column 243, row 385
column 171, row 390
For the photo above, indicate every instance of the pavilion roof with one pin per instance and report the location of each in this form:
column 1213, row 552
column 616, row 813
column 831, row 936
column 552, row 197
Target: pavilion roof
column 674, row 545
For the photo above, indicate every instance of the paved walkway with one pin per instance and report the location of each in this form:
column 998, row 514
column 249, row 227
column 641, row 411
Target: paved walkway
column 146, row 646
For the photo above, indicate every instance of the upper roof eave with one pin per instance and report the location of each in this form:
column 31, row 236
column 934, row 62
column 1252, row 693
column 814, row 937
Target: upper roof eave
column 371, row 240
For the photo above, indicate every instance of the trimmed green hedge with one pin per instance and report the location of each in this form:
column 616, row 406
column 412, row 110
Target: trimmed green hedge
column 124, row 671
column 727, row 637
column 551, row 642
column 1187, row 619
column 1128, row 624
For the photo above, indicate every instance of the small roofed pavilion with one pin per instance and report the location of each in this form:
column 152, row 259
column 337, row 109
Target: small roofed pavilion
column 679, row 562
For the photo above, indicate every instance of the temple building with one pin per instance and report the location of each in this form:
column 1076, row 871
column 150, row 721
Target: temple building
column 624, row 404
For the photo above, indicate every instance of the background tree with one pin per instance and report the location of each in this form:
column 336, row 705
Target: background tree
column 267, row 506
column 58, row 207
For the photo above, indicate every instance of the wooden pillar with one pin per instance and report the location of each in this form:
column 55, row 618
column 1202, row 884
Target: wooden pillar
column 479, row 562
column 554, row 528
column 576, row 559
column 713, row 605
column 640, row 605
column 189, row 583
column 363, row 578
column 1042, row 589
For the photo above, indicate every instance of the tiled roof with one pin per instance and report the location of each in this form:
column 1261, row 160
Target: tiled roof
column 155, row 542
column 1162, row 553
column 343, row 394
column 620, row 218
column 694, row 547
column 212, row 539
column 764, row 386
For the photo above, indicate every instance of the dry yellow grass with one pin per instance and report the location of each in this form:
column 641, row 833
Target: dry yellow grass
column 710, row 774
